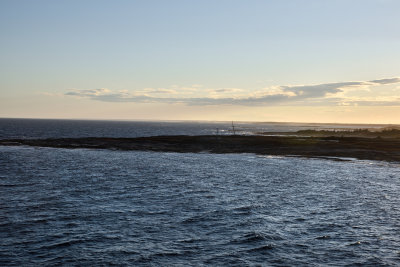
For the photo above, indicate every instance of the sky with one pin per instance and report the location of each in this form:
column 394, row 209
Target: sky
column 219, row 60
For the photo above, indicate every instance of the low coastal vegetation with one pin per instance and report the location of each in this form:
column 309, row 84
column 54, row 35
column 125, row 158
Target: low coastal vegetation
column 387, row 149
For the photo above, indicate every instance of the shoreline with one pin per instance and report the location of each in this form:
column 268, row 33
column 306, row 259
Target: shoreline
column 383, row 149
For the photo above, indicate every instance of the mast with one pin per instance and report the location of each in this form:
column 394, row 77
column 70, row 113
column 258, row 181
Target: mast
column 233, row 129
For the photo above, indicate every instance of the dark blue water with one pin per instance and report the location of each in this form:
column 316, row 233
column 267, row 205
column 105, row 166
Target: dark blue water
column 88, row 207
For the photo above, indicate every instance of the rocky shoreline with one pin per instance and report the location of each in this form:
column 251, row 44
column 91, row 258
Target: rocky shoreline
column 324, row 147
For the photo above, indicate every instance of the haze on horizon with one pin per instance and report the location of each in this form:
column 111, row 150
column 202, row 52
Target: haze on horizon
column 292, row 60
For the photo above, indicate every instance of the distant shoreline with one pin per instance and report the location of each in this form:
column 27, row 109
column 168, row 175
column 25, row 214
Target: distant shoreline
column 386, row 132
column 384, row 149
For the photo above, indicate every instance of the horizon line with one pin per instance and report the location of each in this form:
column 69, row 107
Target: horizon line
column 197, row 121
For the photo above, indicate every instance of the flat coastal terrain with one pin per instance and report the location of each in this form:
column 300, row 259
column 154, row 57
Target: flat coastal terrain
column 366, row 148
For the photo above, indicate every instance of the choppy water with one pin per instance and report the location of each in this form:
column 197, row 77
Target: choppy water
column 99, row 207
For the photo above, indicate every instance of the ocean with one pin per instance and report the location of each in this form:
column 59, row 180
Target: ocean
column 89, row 207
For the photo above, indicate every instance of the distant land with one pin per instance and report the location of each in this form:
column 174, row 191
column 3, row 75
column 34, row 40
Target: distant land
column 386, row 132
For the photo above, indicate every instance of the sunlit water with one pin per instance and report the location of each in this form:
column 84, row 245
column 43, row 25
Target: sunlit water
column 100, row 207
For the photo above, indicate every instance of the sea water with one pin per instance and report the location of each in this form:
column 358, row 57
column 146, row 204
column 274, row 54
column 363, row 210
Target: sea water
column 88, row 207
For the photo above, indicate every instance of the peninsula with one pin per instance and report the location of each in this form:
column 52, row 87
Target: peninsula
column 385, row 149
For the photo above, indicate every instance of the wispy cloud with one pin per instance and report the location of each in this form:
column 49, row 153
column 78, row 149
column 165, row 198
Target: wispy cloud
column 89, row 92
column 320, row 94
column 386, row 81
column 225, row 90
column 159, row 91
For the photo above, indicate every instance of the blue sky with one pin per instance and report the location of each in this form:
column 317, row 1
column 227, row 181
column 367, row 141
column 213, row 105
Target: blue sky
column 147, row 54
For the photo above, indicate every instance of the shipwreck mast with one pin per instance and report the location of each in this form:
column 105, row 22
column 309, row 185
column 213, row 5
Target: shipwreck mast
column 233, row 129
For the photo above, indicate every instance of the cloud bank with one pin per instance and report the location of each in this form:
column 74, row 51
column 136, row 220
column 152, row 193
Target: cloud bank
column 320, row 94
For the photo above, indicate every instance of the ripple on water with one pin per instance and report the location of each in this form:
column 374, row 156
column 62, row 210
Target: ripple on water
column 85, row 207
